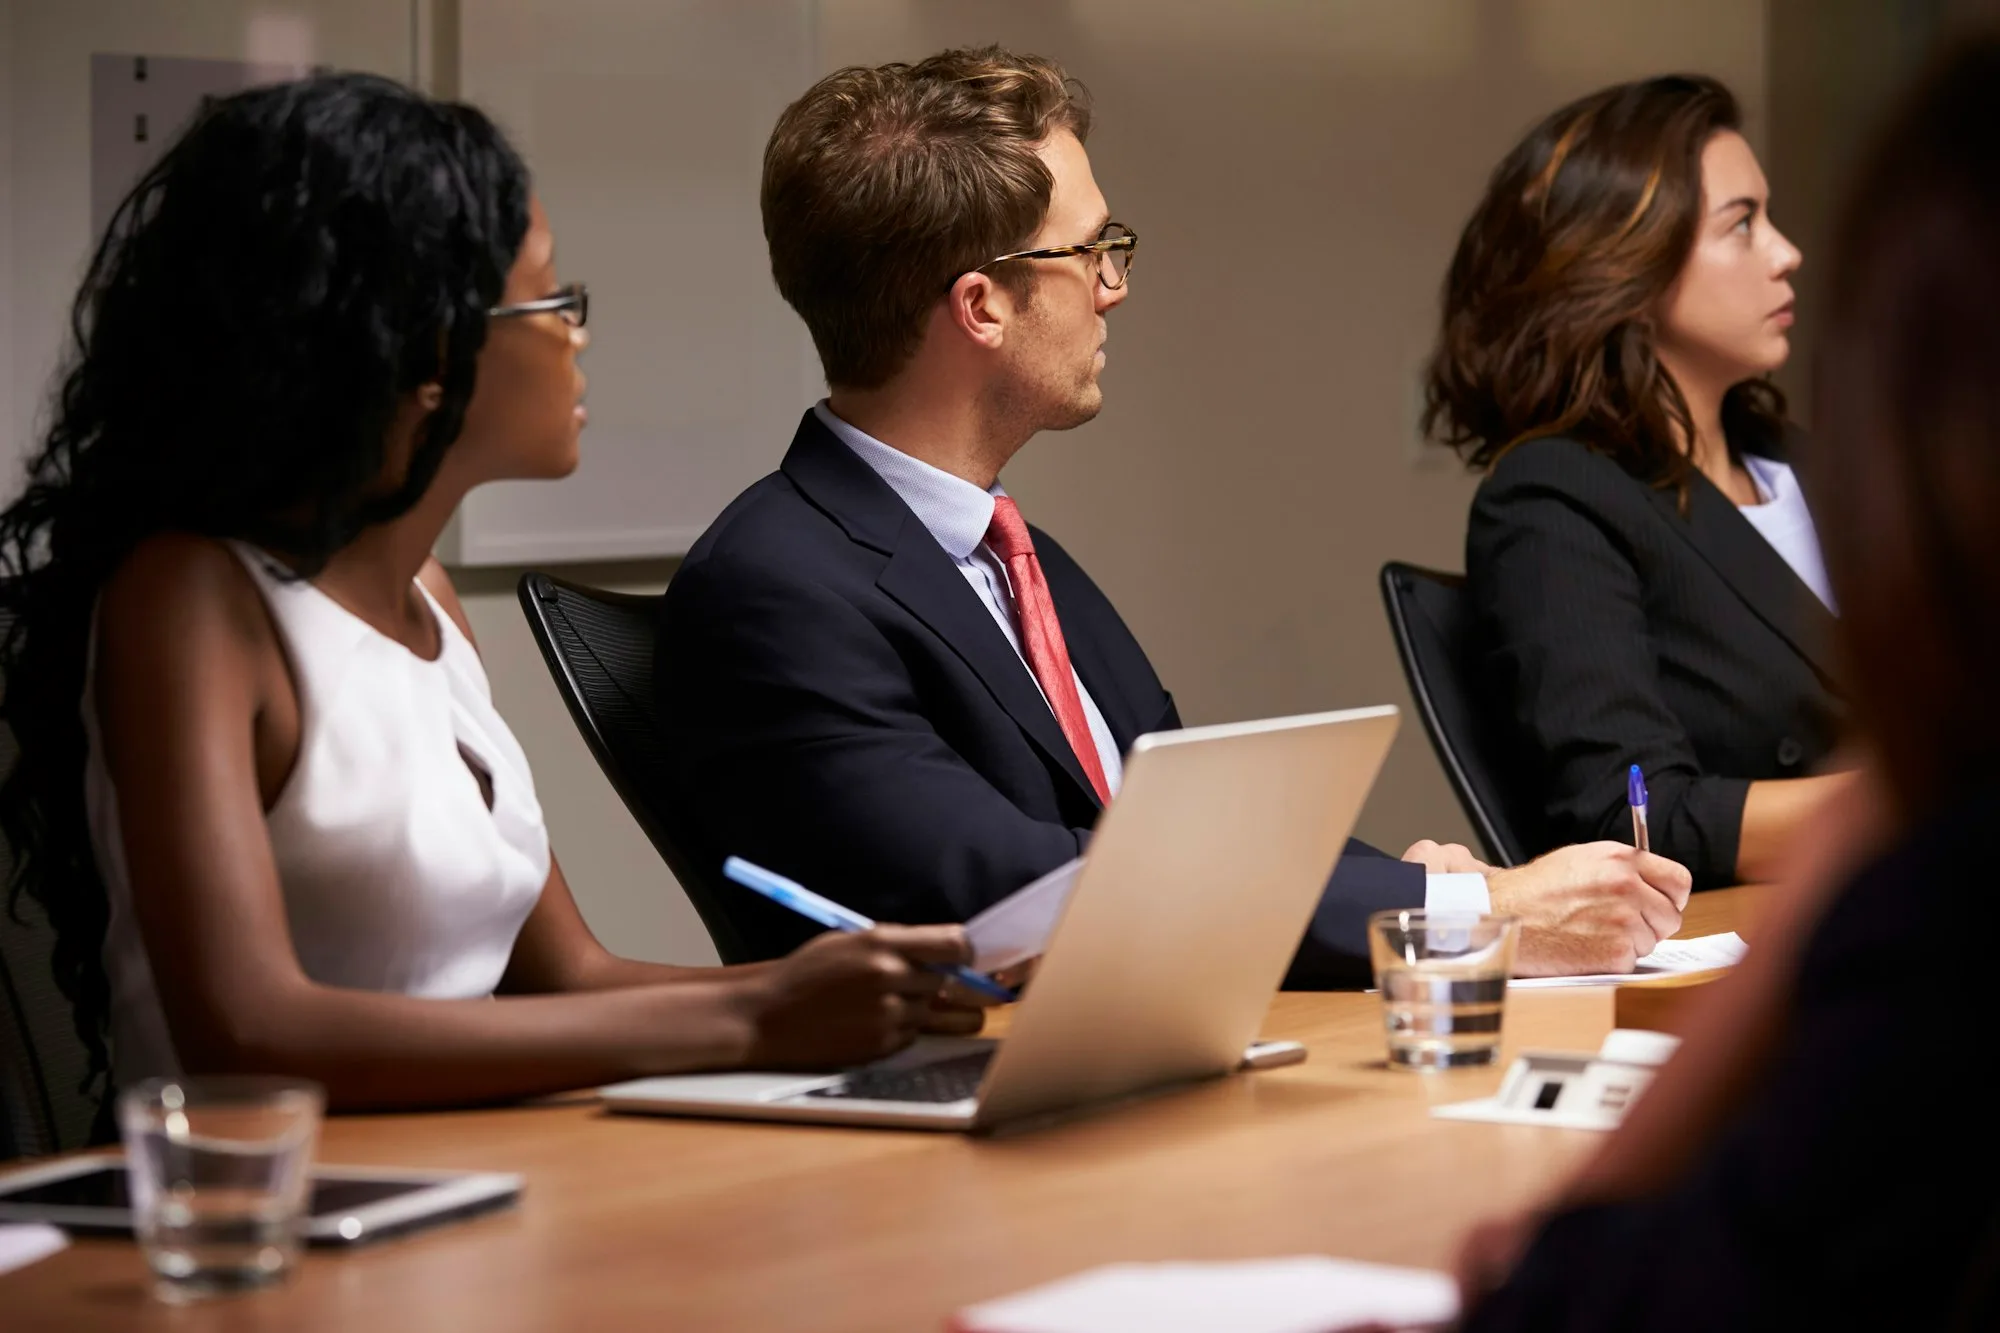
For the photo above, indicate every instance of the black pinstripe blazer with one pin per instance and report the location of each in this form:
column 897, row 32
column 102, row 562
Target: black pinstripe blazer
column 1615, row 631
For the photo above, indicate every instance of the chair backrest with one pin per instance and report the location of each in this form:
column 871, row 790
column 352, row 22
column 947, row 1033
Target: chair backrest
column 599, row 647
column 1433, row 629
column 43, row 1063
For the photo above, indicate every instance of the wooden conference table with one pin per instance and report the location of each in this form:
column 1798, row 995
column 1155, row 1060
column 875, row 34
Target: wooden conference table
column 632, row 1222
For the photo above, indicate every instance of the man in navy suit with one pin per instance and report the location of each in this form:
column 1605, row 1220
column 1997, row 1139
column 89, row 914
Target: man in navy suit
column 873, row 675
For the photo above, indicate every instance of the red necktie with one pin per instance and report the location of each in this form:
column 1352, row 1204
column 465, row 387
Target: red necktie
column 1042, row 637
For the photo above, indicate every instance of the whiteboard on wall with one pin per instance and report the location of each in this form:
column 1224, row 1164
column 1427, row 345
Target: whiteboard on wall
column 644, row 127
column 46, row 81
column 140, row 104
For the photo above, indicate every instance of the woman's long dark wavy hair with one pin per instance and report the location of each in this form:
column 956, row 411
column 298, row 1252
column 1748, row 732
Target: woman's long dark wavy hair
column 303, row 257
column 1550, row 303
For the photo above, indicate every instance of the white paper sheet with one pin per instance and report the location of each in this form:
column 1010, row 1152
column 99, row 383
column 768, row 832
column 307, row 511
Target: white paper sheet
column 1307, row 1294
column 1018, row 927
column 1703, row 953
column 25, row 1243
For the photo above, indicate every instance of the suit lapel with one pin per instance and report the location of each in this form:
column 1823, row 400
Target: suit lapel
column 1754, row 570
column 925, row 581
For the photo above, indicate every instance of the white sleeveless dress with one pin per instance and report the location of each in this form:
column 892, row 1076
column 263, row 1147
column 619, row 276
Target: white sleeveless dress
column 395, row 874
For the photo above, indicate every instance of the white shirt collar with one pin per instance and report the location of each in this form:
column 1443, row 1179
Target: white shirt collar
column 956, row 512
column 1772, row 479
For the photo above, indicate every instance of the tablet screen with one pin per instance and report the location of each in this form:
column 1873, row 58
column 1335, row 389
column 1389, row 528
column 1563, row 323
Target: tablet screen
column 105, row 1188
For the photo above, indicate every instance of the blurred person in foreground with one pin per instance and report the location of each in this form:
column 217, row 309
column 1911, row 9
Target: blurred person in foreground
column 1820, row 1152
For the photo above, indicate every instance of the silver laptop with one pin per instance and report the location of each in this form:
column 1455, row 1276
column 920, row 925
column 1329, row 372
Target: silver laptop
column 1199, row 884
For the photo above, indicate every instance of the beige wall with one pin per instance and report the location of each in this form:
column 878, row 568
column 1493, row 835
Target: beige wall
column 1834, row 65
column 7, row 448
column 1298, row 170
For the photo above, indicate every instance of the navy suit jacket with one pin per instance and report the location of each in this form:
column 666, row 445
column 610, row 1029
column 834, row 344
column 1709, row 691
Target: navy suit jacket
column 839, row 706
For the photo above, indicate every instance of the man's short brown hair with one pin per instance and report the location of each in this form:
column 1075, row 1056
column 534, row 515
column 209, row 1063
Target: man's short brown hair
column 883, row 185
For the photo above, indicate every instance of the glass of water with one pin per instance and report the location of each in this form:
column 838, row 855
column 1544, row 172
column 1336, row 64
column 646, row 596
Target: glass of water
column 220, row 1174
column 1443, row 978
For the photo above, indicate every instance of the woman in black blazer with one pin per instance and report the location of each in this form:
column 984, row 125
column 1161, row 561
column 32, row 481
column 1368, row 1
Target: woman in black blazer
column 1644, row 572
column 1820, row 1153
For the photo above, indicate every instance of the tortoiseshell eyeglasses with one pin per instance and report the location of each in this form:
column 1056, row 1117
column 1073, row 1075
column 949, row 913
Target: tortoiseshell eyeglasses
column 1114, row 248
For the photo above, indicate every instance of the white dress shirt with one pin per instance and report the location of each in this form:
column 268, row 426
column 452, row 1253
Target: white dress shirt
column 1781, row 515
column 957, row 513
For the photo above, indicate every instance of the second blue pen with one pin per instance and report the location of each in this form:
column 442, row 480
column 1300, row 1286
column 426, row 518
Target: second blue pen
column 1635, row 794
column 792, row 894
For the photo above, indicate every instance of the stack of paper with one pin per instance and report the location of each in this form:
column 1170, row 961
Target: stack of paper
column 25, row 1243
column 1704, row 953
column 1018, row 927
column 1309, row 1294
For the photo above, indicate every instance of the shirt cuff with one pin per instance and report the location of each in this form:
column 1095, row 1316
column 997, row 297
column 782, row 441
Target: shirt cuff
column 1457, row 893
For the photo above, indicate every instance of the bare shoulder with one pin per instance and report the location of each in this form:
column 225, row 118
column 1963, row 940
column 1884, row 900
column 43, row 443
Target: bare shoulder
column 179, row 595
column 434, row 578
column 185, row 646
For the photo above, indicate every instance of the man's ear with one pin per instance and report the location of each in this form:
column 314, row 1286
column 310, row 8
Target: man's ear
column 429, row 396
column 979, row 309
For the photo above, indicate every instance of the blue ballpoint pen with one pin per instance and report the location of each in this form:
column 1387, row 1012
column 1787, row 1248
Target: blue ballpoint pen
column 790, row 893
column 1635, row 793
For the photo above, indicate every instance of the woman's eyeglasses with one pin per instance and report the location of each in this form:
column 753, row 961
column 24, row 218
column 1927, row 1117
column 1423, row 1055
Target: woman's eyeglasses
column 572, row 303
column 1114, row 247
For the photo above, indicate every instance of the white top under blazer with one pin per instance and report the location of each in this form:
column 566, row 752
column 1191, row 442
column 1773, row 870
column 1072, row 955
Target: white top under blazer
column 396, row 876
column 1781, row 515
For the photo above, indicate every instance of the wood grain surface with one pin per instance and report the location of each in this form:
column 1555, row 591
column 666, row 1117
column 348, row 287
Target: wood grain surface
column 631, row 1222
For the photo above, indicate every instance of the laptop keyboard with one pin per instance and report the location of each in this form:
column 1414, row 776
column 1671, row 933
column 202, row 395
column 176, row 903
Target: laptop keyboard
column 949, row 1080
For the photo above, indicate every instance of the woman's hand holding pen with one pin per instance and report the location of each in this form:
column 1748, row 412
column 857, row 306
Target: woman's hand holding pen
column 845, row 998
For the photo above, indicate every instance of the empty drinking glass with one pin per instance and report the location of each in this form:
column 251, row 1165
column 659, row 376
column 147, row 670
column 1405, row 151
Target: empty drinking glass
column 220, row 1174
column 1443, row 978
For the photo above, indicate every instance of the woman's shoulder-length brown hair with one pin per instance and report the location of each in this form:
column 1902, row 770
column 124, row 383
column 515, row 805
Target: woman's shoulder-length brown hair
column 1550, row 303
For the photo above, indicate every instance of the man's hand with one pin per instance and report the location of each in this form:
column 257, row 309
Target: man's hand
column 1449, row 858
column 1594, row 907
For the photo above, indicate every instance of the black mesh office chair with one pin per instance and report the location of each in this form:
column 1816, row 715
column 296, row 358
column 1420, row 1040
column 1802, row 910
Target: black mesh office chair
column 1432, row 629
column 599, row 647
column 43, row 1108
